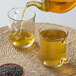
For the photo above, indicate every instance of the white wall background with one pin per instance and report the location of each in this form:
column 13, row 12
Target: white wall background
column 68, row 19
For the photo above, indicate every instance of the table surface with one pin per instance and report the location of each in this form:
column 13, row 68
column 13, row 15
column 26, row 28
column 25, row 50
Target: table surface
column 28, row 58
column 68, row 19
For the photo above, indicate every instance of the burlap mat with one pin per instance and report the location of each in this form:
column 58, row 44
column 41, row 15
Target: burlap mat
column 28, row 58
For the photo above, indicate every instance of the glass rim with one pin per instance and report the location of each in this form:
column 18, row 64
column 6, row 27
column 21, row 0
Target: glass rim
column 55, row 28
column 17, row 19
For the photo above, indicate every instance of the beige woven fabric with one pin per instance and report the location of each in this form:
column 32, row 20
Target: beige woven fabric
column 28, row 58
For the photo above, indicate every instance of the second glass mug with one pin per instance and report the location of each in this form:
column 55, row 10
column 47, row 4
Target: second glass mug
column 54, row 50
column 21, row 36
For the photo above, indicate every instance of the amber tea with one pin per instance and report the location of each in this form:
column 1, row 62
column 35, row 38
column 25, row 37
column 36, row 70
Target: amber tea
column 26, row 38
column 57, row 6
column 52, row 49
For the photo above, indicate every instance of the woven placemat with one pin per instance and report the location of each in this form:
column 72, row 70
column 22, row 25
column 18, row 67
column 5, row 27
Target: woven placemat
column 28, row 58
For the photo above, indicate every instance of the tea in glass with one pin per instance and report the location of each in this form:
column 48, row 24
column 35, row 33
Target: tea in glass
column 21, row 29
column 25, row 38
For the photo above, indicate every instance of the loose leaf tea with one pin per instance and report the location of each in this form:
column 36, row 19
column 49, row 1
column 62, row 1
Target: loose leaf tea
column 11, row 70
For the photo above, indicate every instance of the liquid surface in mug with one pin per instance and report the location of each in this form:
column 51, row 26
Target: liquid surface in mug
column 52, row 49
column 25, row 38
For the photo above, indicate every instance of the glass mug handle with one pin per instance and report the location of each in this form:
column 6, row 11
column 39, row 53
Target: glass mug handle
column 63, row 60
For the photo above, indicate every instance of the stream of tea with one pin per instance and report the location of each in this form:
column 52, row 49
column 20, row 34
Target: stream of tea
column 22, row 19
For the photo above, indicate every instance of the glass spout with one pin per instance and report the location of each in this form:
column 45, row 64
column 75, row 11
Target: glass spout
column 37, row 4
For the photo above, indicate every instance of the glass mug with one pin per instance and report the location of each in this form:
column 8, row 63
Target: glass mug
column 53, row 47
column 21, row 35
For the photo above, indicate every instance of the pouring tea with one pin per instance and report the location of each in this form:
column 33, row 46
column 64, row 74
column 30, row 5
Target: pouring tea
column 56, row 6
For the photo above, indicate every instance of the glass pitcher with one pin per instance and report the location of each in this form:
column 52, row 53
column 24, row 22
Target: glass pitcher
column 57, row 6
